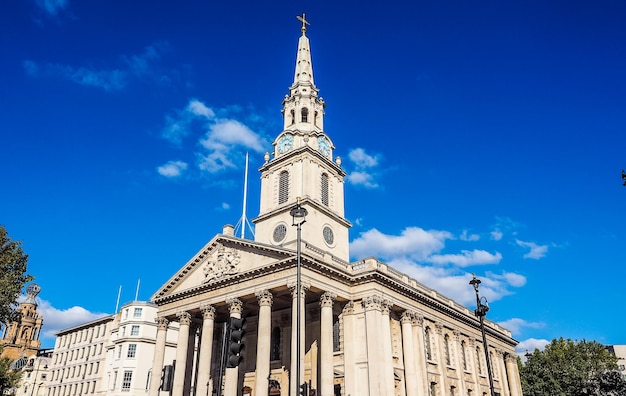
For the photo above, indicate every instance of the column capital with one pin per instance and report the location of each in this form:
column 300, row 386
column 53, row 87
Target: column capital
column 162, row 323
column 386, row 306
column 303, row 289
column 406, row 317
column 208, row 311
column 371, row 303
column 327, row 299
column 457, row 334
column 510, row 358
column 418, row 320
column 265, row 298
column 184, row 317
column 348, row 309
column 235, row 306
column 439, row 327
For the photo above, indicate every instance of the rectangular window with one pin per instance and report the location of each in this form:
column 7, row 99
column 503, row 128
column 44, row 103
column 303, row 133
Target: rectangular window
column 132, row 350
column 114, row 380
column 128, row 376
column 137, row 313
column 119, row 351
column 134, row 331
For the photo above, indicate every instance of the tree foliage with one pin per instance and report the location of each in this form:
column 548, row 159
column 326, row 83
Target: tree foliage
column 12, row 275
column 571, row 368
column 9, row 379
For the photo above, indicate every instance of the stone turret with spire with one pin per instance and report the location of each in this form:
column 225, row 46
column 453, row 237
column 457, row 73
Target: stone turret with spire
column 302, row 167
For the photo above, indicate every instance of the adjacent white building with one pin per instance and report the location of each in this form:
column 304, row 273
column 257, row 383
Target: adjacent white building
column 108, row 356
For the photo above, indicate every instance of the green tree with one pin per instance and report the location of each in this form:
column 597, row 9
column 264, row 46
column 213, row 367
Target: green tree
column 571, row 368
column 12, row 275
column 8, row 378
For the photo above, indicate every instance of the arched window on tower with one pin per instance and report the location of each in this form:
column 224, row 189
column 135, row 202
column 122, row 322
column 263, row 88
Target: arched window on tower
column 293, row 116
column 275, row 355
column 429, row 354
column 325, row 189
column 315, row 115
column 305, row 114
column 283, row 187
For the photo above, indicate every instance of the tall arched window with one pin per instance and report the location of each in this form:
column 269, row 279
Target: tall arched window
column 325, row 189
column 283, row 187
column 315, row 114
column 463, row 356
column 446, row 348
column 293, row 116
column 478, row 365
column 305, row 114
column 429, row 354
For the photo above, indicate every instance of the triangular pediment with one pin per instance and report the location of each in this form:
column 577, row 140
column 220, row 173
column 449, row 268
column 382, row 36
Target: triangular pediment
column 224, row 257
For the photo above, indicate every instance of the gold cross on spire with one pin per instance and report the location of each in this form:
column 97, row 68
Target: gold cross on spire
column 302, row 18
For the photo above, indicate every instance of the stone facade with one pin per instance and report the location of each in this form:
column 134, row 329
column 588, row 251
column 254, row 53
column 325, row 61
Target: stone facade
column 20, row 339
column 366, row 329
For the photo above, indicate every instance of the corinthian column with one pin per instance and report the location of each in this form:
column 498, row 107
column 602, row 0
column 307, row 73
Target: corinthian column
column 326, row 344
column 373, row 316
column 388, row 377
column 294, row 336
column 159, row 356
column 264, row 342
column 410, row 373
column 513, row 375
column 184, row 318
column 231, row 375
column 206, row 350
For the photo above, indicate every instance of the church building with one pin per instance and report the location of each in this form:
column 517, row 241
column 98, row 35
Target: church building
column 20, row 338
column 364, row 327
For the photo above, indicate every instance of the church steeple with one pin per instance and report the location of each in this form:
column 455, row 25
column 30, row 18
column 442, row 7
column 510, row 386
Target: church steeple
column 303, row 167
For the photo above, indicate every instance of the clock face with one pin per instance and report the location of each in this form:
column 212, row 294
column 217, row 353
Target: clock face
column 323, row 146
column 329, row 237
column 279, row 233
column 285, row 143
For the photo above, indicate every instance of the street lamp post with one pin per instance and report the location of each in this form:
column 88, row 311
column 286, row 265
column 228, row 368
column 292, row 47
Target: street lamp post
column 481, row 311
column 298, row 214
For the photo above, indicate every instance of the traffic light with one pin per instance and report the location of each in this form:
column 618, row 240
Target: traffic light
column 312, row 392
column 304, row 389
column 235, row 344
column 166, row 378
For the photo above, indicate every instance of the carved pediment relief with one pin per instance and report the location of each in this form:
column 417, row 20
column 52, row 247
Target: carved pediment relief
column 224, row 263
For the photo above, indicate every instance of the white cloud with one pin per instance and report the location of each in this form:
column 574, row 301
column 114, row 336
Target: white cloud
column 198, row 108
column 361, row 159
column 496, row 235
column 362, row 178
column 466, row 236
column 413, row 242
column 60, row 319
column 225, row 206
column 414, row 252
column 466, row 258
column 515, row 325
column 365, row 166
column 138, row 67
column 172, row 169
column 536, row 251
column 223, row 137
column 529, row 345
column 52, row 7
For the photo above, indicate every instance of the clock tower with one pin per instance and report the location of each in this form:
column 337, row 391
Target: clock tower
column 302, row 168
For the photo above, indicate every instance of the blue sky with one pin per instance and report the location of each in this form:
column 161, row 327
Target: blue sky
column 482, row 137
